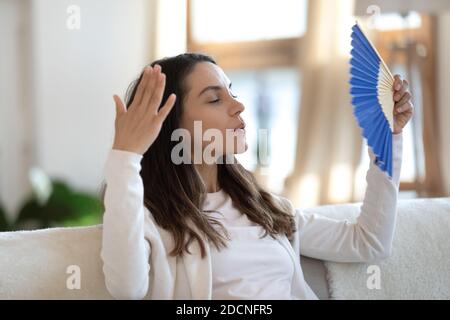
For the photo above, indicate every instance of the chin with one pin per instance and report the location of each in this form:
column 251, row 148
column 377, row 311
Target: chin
column 245, row 148
column 240, row 145
column 238, row 148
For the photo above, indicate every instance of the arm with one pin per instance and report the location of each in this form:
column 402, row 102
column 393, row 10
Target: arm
column 370, row 237
column 125, row 252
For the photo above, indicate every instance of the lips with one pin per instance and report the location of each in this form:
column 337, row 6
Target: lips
column 241, row 126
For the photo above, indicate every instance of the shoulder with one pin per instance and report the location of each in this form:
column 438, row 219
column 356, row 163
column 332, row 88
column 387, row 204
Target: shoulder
column 285, row 203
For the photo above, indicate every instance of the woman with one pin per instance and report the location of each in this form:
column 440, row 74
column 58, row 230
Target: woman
column 207, row 230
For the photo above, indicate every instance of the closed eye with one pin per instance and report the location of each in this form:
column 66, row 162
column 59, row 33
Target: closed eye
column 229, row 89
column 218, row 100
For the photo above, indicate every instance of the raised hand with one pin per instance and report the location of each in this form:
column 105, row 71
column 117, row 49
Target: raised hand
column 403, row 108
column 138, row 127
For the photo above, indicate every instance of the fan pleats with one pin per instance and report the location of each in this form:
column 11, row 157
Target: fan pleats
column 371, row 90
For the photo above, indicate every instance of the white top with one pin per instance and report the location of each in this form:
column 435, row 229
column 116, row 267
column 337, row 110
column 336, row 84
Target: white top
column 250, row 267
column 135, row 249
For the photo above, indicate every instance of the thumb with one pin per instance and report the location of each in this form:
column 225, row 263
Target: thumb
column 120, row 107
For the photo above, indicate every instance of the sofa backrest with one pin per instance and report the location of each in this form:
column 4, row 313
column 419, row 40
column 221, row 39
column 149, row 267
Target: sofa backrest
column 45, row 264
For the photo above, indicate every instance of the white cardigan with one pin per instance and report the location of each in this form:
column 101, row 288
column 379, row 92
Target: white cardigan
column 136, row 263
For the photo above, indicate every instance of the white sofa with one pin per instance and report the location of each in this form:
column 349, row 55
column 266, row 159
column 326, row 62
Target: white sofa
column 39, row 264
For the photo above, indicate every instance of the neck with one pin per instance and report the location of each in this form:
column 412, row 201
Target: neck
column 208, row 172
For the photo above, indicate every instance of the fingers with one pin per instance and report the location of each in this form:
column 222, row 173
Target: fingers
column 120, row 107
column 156, row 98
column 400, row 93
column 146, row 74
column 397, row 82
column 165, row 110
column 404, row 99
column 407, row 107
column 150, row 87
column 402, row 96
column 151, row 91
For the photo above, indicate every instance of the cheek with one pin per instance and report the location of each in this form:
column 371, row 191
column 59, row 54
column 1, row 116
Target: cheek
column 213, row 119
column 201, row 118
column 188, row 120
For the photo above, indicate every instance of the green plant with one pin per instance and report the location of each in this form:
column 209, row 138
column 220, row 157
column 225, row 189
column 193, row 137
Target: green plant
column 63, row 207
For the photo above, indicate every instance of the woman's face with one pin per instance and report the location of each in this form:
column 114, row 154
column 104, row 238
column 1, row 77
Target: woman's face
column 209, row 99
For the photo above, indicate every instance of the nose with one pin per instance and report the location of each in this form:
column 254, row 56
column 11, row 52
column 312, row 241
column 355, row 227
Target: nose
column 237, row 108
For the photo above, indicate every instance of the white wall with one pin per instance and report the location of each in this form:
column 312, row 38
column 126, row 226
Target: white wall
column 77, row 71
column 14, row 98
column 65, row 86
column 444, row 92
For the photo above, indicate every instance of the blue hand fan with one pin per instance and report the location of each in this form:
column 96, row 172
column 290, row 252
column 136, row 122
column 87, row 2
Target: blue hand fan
column 371, row 88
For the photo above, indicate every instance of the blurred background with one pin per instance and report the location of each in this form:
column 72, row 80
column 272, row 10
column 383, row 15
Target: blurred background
column 61, row 62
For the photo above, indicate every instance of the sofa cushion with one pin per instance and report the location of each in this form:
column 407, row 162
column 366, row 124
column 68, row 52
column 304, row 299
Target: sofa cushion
column 418, row 267
column 38, row 264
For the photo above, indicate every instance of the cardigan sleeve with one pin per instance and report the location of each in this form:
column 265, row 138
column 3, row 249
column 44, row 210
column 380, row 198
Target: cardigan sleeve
column 125, row 252
column 370, row 237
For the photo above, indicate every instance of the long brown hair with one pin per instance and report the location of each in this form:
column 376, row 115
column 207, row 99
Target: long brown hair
column 174, row 193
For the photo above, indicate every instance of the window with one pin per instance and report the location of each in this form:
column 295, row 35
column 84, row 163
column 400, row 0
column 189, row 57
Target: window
column 257, row 52
column 394, row 21
column 408, row 48
column 234, row 20
column 271, row 98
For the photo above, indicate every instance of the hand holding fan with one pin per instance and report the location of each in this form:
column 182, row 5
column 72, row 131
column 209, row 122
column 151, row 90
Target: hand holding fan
column 371, row 88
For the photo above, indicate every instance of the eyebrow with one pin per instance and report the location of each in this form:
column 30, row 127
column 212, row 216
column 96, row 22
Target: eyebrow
column 215, row 88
